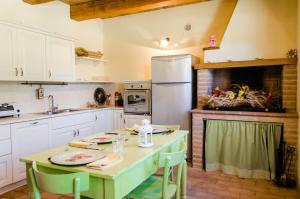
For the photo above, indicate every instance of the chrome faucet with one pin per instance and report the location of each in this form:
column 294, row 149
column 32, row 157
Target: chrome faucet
column 52, row 108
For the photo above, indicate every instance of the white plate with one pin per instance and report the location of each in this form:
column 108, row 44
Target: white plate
column 99, row 140
column 76, row 157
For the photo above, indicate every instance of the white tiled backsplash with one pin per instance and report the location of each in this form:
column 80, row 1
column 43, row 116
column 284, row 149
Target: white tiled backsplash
column 67, row 96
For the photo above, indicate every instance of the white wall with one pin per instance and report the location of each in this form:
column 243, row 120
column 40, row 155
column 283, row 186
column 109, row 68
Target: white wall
column 131, row 40
column 54, row 17
column 258, row 29
column 67, row 96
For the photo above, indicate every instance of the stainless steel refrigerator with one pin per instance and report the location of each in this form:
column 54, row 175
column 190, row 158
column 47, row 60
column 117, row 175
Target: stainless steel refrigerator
column 174, row 91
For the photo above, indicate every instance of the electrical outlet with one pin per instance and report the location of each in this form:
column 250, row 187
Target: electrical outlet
column 40, row 93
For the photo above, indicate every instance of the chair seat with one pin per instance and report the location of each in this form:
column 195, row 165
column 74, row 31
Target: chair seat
column 152, row 189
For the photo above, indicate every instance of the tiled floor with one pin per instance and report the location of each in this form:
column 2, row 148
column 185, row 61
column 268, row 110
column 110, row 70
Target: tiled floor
column 202, row 185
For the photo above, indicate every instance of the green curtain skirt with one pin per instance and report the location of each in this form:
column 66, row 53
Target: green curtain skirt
column 245, row 149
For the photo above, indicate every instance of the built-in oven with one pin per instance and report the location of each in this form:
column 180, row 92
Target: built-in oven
column 137, row 97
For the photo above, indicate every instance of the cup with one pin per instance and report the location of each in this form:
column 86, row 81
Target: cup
column 118, row 144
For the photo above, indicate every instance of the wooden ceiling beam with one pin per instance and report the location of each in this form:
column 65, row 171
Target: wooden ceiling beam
column 33, row 2
column 73, row 2
column 113, row 8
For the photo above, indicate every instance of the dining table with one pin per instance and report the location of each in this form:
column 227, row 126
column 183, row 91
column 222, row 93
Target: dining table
column 117, row 181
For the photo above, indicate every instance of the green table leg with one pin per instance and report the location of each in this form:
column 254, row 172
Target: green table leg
column 29, row 185
column 184, row 181
column 112, row 189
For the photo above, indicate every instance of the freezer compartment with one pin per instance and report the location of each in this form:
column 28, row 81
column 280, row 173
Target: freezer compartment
column 172, row 69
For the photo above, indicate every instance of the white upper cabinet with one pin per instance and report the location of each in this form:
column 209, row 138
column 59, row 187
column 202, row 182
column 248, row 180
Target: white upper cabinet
column 31, row 55
column 31, row 59
column 60, row 59
column 8, row 68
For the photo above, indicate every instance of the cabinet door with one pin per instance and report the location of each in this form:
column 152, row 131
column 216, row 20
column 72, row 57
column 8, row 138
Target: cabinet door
column 85, row 130
column 60, row 59
column 118, row 119
column 5, row 171
column 8, row 68
column 27, row 138
column 104, row 121
column 62, row 137
column 100, row 122
column 31, row 55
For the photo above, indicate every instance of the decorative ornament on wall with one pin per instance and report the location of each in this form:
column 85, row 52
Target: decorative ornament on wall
column 212, row 41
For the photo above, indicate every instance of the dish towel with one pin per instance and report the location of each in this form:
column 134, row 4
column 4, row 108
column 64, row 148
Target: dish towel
column 107, row 162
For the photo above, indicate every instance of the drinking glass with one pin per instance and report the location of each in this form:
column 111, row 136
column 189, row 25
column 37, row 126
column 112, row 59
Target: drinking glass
column 118, row 144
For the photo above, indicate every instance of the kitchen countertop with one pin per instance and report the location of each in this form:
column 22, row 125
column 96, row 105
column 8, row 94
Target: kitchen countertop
column 39, row 116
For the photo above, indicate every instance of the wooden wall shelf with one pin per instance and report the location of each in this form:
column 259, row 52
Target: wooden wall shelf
column 211, row 48
column 248, row 63
column 91, row 59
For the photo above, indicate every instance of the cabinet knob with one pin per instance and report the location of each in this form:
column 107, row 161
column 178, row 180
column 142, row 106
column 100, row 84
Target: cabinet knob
column 78, row 132
column 34, row 123
column 50, row 74
column 96, row 117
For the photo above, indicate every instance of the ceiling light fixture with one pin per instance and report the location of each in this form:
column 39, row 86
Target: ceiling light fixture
column 164, row 43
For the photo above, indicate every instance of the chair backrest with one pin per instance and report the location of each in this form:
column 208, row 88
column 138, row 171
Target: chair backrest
column 168, row 160
column 60, row 183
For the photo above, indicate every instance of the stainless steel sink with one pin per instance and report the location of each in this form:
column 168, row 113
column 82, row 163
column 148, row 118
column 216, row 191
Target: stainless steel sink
column 61, row 111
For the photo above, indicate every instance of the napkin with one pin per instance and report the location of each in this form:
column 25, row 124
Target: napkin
column 107, row 162
column 80, row 144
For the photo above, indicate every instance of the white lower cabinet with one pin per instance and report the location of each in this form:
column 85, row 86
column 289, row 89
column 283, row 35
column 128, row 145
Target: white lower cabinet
column 61, row 137
column 104, row 120
column 5, row 170
column 85, row 130
column 131, row 120
column 27, row 138
column 72, row 127
column 118, row 119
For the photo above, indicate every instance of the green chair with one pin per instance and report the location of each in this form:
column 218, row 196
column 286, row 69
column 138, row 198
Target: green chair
column 162, row 187
column 71, row 183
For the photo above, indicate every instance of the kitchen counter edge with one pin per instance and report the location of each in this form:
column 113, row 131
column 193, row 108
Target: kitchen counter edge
column 39, row 116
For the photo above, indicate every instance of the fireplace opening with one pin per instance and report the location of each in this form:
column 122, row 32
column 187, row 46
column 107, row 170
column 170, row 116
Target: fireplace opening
column 256, row 89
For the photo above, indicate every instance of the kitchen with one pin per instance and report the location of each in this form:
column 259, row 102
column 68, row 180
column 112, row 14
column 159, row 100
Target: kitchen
column 128, row 44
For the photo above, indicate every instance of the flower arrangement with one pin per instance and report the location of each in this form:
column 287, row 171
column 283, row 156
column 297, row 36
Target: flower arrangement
column 241, row 96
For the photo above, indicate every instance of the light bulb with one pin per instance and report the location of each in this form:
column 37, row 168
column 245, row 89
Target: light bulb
column 164, row 43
